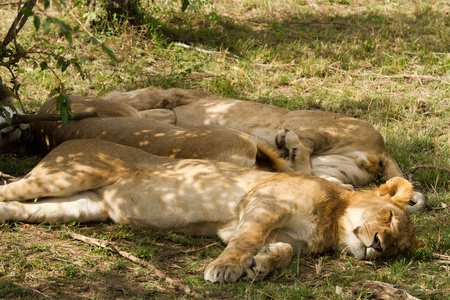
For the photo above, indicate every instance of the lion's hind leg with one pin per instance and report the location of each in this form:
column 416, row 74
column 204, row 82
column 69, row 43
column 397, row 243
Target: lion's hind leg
column 82, row 207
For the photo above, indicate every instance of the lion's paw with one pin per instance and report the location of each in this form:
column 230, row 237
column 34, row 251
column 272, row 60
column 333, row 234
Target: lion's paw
column 288, row 143
column 293, row 151
column 259, row 269
column 223, row 270
column 268, row 258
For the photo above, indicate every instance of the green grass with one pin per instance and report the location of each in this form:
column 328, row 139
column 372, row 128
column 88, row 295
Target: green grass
column 386, row 62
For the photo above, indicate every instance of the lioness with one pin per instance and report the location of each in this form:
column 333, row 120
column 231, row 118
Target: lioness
column 264, row 217
column 341, row 149
column 121, row 124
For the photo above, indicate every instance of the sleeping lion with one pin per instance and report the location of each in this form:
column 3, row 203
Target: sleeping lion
column 120, row 123
column 264, row 217
column 341, row 149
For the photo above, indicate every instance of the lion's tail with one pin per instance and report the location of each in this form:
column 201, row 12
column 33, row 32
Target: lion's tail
column 268, row 157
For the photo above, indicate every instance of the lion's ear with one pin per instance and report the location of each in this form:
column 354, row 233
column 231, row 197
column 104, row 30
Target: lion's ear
column 399, row 189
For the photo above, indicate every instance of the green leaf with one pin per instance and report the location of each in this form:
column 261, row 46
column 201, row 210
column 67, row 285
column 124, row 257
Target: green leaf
column 78, row 67
column 34, row 65
column 68, row 37
column 46, row 4
column 5, row 115
column 109, row 52
column 43, row 65
column 46, row 25
column 64, row 117
column 63, row 3
column 53, row 93
column 59, row 62
column 95, row 41
column 27, row 12
column 37, row 22
column 184, row 5
column 62, row 26
column 65, row 65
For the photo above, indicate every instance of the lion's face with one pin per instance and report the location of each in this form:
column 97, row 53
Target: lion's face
column 383, row 228
column 385, row 233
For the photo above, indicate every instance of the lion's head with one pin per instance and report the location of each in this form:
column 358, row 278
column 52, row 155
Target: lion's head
column 377, row 224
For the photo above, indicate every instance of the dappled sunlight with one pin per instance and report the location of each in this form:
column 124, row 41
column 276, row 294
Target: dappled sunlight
column 159, row 138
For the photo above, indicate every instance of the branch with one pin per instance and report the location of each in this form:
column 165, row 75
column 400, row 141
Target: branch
column 26, row 119
column 107, row 245
column 21, row 19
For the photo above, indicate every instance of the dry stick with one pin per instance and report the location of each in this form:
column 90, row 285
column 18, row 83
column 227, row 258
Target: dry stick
column 229, row 54
column 205, row 51
column 441, row 256
column 105, row 244
column 430, row 167
column 26, row 119
column 435, row 53
column 401, row 76
column 10, row 3
column 7, row 176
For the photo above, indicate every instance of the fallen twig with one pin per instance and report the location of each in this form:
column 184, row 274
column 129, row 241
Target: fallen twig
column 441, row 257
column 430, row 167
column 400, row 76
column 205, row 51
column 229, row 54
column 7, row 176
column 26, row 119
column 435, row 53
column 381, row 290
column 107, row 245
column 10, row 3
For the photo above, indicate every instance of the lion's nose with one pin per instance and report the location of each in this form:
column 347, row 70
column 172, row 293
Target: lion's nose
column 376, row 244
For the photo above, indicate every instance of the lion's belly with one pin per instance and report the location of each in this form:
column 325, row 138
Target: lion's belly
column 342, row 167
column 179, row 198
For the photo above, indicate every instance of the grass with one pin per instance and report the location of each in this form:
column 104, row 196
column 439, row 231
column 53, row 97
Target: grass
column 386, row 62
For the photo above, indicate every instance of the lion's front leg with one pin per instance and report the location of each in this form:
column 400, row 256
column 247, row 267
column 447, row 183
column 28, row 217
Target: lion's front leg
column 293, row 151
column 259, row 218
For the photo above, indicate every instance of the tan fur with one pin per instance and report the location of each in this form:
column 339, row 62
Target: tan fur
column 264, row 217
column 341, row 149
column 120, row 123
column 321, row 133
